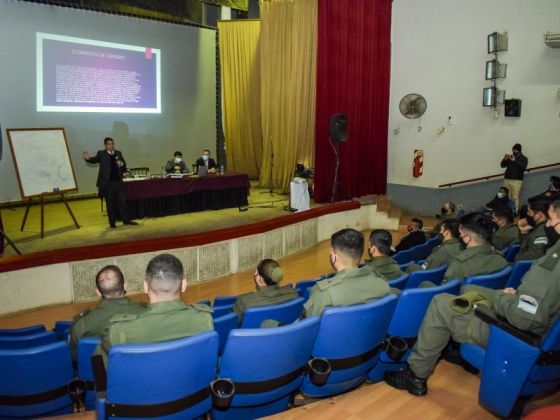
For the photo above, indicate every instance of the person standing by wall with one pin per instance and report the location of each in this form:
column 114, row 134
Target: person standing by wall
column 515, row 165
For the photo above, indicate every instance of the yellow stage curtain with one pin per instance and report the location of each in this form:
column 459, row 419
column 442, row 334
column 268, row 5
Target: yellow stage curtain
column 240, row 68
column 288, row 43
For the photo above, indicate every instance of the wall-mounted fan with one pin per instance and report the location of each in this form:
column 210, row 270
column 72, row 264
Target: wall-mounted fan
column 412, row 106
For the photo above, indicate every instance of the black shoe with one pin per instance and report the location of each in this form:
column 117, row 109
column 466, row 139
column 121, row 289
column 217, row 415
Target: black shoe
column 405, row 379
column 112, row 225
column 131, row 223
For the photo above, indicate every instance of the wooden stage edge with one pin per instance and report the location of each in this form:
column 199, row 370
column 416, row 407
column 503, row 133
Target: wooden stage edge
column 62, row 255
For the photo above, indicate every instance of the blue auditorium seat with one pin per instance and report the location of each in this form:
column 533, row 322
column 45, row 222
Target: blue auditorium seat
column 204, row 302
column 148, row 376
column 435, row 275
column 399, row 282
column 218, row 311
column 302, row 286
column 421, row 252
column 33, row 329
column 495, row 280
column 515, row 365
column 350, row 338
column 61, row 329
column 27, row 341
column 518, row 270
column 434, row 241
column 406, row 321
column 404, row 266
column 224, row 300
column 284, row 313
column 223, row 326
column 511, row 252
column 38, row 373
column 86, row 348
column 254, row 358
column 403, row 257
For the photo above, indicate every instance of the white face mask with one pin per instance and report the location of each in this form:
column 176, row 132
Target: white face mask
column 501, row 195
column 204, row 157
column 177, row 160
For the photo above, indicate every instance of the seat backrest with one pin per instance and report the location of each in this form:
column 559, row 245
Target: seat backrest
column 284, row 313
column 224, row 300
column 150, row 374
column 86, row 348
column 512, row 252
column 492, row 281
column 61, row 329
column 518, row 270
column 421, row 252
column 33, row 329
column 223, row 326
column 27, row 341
column 218, row 311
column 32, row 371
column 435, row 275
column 412, row 306
column 403, row 257
column 302, row 286
column 433, row 241
column 399, row 282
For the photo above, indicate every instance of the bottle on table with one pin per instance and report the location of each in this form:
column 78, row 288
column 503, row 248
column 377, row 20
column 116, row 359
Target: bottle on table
column 221, row 169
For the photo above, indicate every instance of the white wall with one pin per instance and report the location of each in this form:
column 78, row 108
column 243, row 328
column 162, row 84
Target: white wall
column 439, row 50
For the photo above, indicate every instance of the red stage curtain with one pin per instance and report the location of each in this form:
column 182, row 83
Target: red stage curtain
column 353, row 72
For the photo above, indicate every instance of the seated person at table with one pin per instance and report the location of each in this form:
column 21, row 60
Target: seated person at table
column 444, row 253
column 176, row 165
column 379, row 249
column 507, row 233
column 267, row 277
column 207, row 161
column 532, row 228
column 501, row 199
column 351, row 285
column 478, row 257
column 533, row 307
column 415, row 235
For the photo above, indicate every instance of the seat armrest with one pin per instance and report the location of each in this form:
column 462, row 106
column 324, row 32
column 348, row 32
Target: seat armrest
column 493, row 319
column 99, row 373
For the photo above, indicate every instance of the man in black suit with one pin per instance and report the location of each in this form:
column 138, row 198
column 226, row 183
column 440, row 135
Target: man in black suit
column 414, row 237
column 112, row 167
column 207, row 161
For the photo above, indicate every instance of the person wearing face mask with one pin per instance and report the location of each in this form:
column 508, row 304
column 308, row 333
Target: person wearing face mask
column 501, row 199
column 379, row 249
column 507, row 233
column 447, row 211
column 553, row 190
column 351, row 285
column 176, row 165
column 415, row 235
column 515, row 165
column 207, row 161
column 267, row 277
column 533, row 307
column 533, row 238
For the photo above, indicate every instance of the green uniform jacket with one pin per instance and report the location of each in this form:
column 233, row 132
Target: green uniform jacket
column 92, row 322
column 348, row 287
column 505, row 236
column 386, row 266
column 268, row 295
column 162, row 321
column 473, row 262
column 437, row 227
column 533, row 245
column 442, row 254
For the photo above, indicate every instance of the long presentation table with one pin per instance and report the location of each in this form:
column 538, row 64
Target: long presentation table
column 157, row 197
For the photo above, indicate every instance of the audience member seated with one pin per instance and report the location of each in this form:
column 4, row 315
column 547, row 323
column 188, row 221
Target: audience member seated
column 447, row 212
column 380, row 242
column 167, row 317
column 176, row 165
column 507, row 233
column 267, row 277
column 533, row 238
column 553, row 191
column 111, row 288
column 444, row 253
column 414, row 237
column 500, row 200
column 533, row 307
column 207, row 161
column 351, row 285
column 478, row 257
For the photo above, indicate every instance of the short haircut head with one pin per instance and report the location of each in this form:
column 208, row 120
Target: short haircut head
column 451, row 205
column 418, row 222
column 270, row 271
column 555, row 205
column 206, row 150
column 505, row 189
column 348, row 242
column 555, row 181
column 382, row 240
column 107, row 140
column 503, row 213
column 538, row 204
column 113, row 286
column 452, row 225
column 178, row 153
column 478, row 225
column 164, row 274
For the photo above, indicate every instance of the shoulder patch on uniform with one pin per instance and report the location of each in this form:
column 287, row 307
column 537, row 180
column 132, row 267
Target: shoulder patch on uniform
column 541, row 240
column 325, row 284
column 550, row 262
column 123, row 317
column 201, row 307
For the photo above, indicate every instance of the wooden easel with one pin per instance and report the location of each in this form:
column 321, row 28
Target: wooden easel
column 42, row 201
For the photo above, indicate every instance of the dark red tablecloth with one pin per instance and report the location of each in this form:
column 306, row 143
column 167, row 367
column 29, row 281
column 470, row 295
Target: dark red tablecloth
column 164, row 196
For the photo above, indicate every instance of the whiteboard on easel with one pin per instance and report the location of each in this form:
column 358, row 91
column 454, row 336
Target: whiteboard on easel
column 42, row 161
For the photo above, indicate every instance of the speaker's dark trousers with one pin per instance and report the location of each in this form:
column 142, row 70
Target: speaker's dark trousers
column 116, row 202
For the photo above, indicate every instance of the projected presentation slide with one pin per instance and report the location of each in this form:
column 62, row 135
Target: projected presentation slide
column 83, row 75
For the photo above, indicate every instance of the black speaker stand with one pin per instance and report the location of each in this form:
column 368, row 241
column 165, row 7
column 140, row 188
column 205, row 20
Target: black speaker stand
column 270, row 168
column 335, row 183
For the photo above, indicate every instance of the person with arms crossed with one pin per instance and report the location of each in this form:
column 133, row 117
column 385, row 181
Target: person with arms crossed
column 176, row 165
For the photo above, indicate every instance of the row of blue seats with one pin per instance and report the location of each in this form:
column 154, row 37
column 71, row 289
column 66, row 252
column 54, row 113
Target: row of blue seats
column 417, row 252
